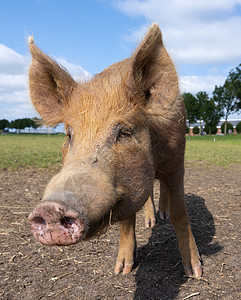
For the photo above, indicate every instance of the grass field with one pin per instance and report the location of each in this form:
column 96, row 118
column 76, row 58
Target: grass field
column 44, row 151
column 222, row 151
column 27, row 150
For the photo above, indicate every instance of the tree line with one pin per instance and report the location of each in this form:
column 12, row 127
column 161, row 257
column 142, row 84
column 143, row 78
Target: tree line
column 225, row 100
column 20, row 123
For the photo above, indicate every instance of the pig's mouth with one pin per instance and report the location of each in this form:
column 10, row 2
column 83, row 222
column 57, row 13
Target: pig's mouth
column 53, row 223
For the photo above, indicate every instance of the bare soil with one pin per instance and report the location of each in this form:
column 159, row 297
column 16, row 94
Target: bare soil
column 29, row 270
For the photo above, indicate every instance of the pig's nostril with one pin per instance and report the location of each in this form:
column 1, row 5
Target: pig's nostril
column 39, row 220
column 67, row 221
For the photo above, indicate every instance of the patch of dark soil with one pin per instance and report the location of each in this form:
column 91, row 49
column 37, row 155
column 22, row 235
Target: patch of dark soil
column 29, row 270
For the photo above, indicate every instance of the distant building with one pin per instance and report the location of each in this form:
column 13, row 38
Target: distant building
column 234, row 122
column 39, row 130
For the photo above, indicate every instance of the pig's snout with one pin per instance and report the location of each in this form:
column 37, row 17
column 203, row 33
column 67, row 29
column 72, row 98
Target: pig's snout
column 55, row 224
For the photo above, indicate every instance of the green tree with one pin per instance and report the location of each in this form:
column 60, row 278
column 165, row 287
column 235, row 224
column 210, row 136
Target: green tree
column 25, row 122
column 225, row 99
column 234, row 78
column 202, row 98
column 190, row 101
column 213, row 129
column 13, row 124
column 18, row 124
column 195, row 130
column 22, row 123
column 229, row 127
column 4, row 124
column 36, row 122
column 191, row 108
column 238, row 127
column 211, row 115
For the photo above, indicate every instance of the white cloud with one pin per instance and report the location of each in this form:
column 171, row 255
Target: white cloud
column 77, row 72
column 12, row 82
column 12, row 62
column 154, row 9
column 195, row 32
column 14, row 96
column 14, row 100
column 194, row 84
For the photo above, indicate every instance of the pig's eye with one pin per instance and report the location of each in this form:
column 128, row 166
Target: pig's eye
column 123, row 133
column 68, row 135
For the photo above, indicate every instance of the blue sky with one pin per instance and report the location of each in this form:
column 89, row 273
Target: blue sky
column 202, row 37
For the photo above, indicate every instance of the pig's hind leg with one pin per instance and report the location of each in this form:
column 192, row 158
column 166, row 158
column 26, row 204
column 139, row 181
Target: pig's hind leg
column 163, row 201
column 125, row 258
column 150, row 218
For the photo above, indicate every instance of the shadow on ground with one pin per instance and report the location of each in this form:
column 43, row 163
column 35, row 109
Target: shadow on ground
column 160, row 272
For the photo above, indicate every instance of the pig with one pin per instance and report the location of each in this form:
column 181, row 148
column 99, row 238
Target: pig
column 125, row 128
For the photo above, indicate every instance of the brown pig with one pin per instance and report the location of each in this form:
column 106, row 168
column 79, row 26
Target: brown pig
column 125, row 127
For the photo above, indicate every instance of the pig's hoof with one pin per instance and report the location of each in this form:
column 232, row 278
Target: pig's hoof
column 164, row 215
column 150, row 223
column 125, row 267
column 194, row 271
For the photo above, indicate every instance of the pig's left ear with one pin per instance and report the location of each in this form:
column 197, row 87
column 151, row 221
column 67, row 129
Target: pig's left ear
column 50, row 86
column 153, row 77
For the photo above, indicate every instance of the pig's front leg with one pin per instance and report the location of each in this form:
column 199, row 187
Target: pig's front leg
column 181, row 224
column 125, row 258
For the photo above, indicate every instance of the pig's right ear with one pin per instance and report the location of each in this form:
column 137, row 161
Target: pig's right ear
column 50, row 86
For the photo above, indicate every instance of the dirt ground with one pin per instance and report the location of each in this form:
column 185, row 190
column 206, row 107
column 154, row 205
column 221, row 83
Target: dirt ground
column 29, row 270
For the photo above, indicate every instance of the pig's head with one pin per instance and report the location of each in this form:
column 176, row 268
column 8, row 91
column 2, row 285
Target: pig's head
column 108, row 167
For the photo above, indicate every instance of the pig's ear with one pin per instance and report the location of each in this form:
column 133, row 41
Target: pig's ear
column 50, row 86
column 153, row 73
